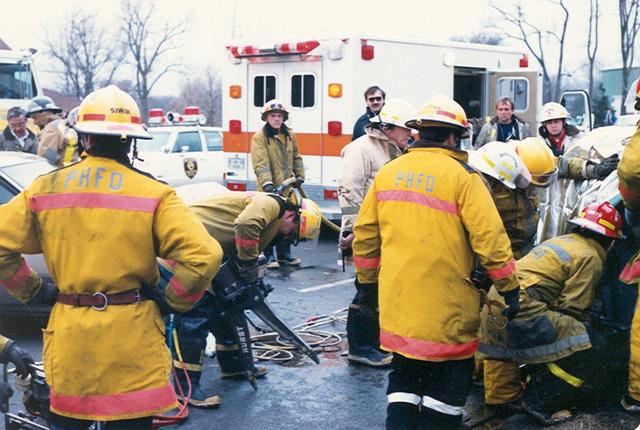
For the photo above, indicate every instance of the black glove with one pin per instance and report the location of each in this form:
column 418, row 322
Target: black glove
column 298, row 183
column 248, row 270
column 481, row 279
column 157, row 295
column 605, row 167
column 512, row 300
column 46, row 295
column 5, row 393
column 268, row 188
column 19, row 357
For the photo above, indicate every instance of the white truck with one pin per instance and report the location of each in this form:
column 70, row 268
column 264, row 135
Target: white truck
column 18, row 81
column 322, row 81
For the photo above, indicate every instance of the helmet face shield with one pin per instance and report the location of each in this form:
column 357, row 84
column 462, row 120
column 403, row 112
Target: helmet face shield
column 543, row 181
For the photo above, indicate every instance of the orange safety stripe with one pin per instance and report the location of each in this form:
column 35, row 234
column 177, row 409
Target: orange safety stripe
column 103, row 117
column 182, row 292
column 630, row 273
column 92, row 200
column 418, row 198
column 425, row 350
column 628, row 194
column 246, row 243
column 366, row 262
column 504, row 271
column 21, row 276
column 142, row 402
column 316, row 144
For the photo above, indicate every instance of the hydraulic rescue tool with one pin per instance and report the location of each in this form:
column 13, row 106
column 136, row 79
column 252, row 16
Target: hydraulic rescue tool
column 233, row 296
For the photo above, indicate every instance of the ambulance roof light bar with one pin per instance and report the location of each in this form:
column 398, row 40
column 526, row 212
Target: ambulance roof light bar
column 294, row 48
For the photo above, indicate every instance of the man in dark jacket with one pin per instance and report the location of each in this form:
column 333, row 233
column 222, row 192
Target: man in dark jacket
column 16, row 136
column 504, row 126
column 374, row 96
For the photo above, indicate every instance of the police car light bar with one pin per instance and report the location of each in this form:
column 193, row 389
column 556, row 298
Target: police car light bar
column 191, row 116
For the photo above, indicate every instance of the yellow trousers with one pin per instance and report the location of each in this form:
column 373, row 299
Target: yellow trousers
column 502, row 382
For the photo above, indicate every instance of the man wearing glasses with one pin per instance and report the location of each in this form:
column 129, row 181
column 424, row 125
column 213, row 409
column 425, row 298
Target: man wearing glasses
column 374, row 96
column 16, row 136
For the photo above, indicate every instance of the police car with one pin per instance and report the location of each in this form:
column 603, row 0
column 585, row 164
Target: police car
column 182, row 150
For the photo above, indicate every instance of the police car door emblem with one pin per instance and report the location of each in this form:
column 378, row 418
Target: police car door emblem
column 190, row 167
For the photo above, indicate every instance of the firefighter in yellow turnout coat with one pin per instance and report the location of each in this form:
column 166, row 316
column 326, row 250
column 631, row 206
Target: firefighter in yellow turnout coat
column 244, row 224
column 431, row 203
column 557, row 280
column 100, row 225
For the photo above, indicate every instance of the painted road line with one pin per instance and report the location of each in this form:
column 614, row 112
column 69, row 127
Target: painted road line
column 325, row 286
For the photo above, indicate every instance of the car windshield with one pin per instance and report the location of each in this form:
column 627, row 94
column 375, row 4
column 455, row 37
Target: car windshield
column 24, row 174
column 160, row 139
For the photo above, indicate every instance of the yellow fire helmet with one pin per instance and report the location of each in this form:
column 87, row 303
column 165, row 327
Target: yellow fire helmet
column 539, row 160
column 441, row 111
column 110, row 111
column 396, row 112
column 274, row 105
column 310, row 220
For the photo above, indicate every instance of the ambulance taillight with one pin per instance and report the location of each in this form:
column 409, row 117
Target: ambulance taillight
column 334, row 128
column 237, row 186
column 235, row 126
column 330, row 194
column 367, row 52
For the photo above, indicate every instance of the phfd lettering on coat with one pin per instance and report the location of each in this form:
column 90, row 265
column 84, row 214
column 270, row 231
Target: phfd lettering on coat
column 88, row 178
column 417, row 181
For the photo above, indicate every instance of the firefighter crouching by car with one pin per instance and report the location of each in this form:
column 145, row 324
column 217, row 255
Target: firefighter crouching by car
column 57, row 141
column 244, row 224
column 515, row 171
column 629, row 187
column 430, row 200
column 557, row 281
column 386, row 136
column 100, row 225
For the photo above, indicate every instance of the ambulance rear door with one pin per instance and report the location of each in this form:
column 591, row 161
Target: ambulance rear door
column 523, row 86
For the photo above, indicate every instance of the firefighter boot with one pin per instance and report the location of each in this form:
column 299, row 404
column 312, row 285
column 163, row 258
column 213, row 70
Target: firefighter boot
column 363, row 336
column 199, row 398
column 283, row 249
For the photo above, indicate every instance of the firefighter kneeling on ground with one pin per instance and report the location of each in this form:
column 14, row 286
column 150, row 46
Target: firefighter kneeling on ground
column 244, row 224
column 424, row 219
column 557, row 281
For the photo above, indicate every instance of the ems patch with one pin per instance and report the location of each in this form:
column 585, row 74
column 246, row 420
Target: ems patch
column 190, row 167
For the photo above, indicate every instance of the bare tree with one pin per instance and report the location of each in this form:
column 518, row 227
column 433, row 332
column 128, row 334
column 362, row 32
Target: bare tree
column 483, row 38
column 519, row 27
column 629, row 27
column 148, row 40
column 88, row 55
column 203, row 89
column 592, row 40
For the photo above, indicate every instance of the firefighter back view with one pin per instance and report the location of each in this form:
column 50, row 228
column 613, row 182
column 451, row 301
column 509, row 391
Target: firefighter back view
column 100, row 225
column 57, row 140
column 423, row 219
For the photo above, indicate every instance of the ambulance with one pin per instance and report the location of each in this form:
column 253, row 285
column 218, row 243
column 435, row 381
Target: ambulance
column 322, row 82
column 19, row 81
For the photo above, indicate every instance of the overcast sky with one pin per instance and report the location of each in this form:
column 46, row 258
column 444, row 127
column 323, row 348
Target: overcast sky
column 213, row 24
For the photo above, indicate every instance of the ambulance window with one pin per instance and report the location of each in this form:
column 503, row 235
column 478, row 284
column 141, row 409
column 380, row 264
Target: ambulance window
column 190, row 140
column 264, row 89
column 303, row 90
column 517, row 89
column 214, row 140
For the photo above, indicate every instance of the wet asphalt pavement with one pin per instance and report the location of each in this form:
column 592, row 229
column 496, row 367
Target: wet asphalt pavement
column 299, row 393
